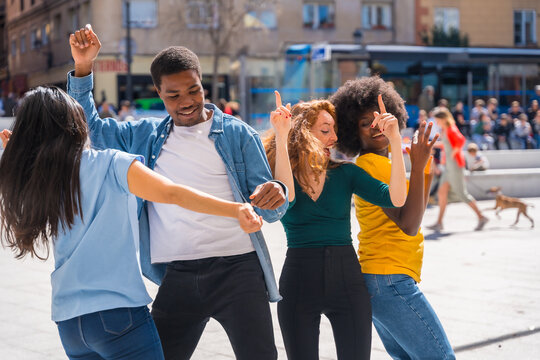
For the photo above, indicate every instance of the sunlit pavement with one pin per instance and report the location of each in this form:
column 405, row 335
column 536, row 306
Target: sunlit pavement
column 485, row 287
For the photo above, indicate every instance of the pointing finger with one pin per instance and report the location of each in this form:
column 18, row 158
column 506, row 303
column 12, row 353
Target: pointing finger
column 382, row 108
column 278, row 99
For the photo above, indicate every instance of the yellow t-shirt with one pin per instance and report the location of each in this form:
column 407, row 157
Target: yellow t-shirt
column 384, row 249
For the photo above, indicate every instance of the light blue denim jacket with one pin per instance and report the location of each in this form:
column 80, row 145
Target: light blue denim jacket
column 237, row 143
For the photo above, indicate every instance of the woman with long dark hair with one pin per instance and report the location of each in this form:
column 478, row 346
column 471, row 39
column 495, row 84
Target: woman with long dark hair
column 55, row 189
column 321, row 274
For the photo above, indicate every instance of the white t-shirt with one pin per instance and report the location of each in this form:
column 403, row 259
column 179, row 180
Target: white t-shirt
column 189, row 157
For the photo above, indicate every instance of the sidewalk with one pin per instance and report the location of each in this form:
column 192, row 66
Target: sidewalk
column 485, row 287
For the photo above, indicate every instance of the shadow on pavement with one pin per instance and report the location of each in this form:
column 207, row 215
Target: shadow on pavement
column 531, row 331
column 437, row 235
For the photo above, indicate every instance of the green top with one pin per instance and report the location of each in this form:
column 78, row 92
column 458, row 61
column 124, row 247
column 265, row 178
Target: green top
column 327, row 221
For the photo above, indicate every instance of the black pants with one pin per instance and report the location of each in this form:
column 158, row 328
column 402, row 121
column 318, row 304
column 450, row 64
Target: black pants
column 230, row 289
column 327, row 281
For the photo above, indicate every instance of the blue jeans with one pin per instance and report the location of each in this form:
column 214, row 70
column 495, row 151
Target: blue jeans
column 123, row 333
column 404, row 319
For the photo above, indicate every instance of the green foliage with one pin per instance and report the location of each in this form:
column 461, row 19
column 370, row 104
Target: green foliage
column 439, row 37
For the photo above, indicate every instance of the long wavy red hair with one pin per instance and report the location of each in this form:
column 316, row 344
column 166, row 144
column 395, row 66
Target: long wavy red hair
column 306, row 152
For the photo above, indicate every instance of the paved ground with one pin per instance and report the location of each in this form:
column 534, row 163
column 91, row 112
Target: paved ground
column 485, row 287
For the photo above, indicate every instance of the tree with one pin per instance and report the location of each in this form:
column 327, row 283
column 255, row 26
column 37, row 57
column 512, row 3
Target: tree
column 440, row 37
column 223, row 20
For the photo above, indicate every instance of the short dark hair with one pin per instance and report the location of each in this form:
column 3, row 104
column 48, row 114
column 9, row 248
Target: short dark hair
column 172, row 60
column 357, row 97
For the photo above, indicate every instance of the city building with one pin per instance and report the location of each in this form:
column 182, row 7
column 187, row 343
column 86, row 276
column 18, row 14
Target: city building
column 306, row 48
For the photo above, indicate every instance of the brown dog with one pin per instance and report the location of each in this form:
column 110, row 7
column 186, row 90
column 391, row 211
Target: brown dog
column 505, row 202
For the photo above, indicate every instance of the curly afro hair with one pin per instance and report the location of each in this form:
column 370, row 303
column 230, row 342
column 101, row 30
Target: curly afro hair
column 357, row 97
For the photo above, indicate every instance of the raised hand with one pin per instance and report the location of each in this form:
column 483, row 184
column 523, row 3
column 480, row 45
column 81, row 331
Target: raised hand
column 4, row 136
column 387, row 123
column 281, row 118
column 85, row 47
column 248, row 218
column 420, row 150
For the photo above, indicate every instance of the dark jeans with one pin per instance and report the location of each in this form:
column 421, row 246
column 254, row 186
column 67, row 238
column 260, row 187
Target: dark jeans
column 123, row 333
column 230, row 289
column 329, row 281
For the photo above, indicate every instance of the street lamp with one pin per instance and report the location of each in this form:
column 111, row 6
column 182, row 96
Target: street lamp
column 129, row 90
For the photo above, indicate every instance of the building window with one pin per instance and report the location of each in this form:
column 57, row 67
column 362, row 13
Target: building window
column 34, row 39
column 262, row 19
column 446, row 19
column 32, row 2
column 319, row 15
column 524, row 27
column 22, row 5
column 73, row 17
column 57, row 26
column 45, row 34
column 142, row 14
column 377, row 16
column 200, row 15
column 23, row 44
column 13, row 47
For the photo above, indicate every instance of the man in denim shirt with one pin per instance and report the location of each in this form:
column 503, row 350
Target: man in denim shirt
column 206, row 266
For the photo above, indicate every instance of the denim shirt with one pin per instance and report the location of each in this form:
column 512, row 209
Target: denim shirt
column 237, row 143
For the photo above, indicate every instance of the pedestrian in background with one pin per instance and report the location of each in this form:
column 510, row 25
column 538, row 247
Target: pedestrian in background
column 106, row 110
column 515, row 110
column 523, row 132
column 492, row 109
column 478, row 110
column 453, row 179
column 503, row 132
column 126, row 112
column 461, row 123
column 426, row 100
column 476, row 161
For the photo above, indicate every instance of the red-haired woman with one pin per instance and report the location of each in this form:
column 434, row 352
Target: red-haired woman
column 321, row 274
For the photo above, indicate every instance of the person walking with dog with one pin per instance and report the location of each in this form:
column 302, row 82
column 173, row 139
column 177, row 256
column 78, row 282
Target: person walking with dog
column 453, row 178
column 321, row 274
column 391, row 243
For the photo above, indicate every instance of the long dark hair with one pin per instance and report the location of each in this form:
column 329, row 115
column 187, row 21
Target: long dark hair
column 39, row 171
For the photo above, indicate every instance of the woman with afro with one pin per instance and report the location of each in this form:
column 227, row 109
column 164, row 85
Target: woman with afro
column 391, row 243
